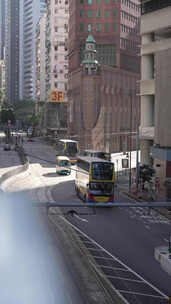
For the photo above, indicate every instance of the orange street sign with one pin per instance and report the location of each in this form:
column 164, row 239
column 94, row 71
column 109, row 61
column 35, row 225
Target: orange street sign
column 57, row 96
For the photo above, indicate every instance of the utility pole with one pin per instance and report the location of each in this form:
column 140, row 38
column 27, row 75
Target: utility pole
column 137, row 161
column 137, row 158
column 130, row 145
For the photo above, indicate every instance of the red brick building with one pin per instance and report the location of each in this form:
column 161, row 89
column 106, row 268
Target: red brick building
column 103, row 102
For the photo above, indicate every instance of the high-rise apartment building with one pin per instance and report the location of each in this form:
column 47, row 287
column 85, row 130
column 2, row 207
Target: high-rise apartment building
column 110, row 27
column 40, row 59
column 12, row 50
column 2, row 28
column 155, row 87
column 130, row 35
column 41, row 68
column 57, row 65
column 2, row 82
column 30, row 14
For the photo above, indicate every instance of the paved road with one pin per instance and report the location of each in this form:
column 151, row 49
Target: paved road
column 35, row 252
column 126, row 233
column 8, row 159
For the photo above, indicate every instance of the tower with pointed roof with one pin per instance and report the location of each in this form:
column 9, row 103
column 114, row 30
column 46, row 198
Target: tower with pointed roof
column 90, row 64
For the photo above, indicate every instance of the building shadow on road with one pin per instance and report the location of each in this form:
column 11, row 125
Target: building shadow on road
column 51, row 174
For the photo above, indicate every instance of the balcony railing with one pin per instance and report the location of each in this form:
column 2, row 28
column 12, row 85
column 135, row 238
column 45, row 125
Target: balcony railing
column 148, row 6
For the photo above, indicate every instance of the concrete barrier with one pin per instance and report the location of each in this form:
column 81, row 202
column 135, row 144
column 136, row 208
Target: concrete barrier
column 162, row 255
column 90, row 278
column 20, row 169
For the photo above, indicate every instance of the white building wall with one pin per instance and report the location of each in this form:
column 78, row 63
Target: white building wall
column 42, row 57
column 58, row 51
column 2, row 78
column 32, row 12
column 21, row 45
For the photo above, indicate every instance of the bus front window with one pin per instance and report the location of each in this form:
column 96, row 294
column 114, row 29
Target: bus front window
column 102, row 171
column 64, row 163
column 72, row 148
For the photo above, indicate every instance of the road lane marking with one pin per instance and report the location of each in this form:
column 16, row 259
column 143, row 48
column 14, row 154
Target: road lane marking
column 140, row 294
column 109, row 267
column 95, row 249
column 124, row 279
column 117, row 259
column 104, row 258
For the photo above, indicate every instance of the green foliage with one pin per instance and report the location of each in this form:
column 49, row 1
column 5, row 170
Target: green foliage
column 34, row 120
column 146, row 173
column 24, row 109
column 7, row 113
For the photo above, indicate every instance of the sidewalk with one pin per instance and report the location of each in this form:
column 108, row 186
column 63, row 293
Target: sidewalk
column 161, row 253
column 141, row 196
column 9, row 160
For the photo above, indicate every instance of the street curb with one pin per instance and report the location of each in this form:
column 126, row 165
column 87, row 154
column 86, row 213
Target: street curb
column 161, row 255
column 89, row 275
column 16, row 171
column 91, row 281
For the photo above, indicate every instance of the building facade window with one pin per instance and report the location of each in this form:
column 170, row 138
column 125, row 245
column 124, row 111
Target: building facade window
column 81, row 13
column 97, row 27
column 114, row 12
column 98, row 1
column 90, row 1
column 106, row 13
column 89, row 13
column 89, row 27
column 81, row 27
column 114, row 27
column 98, row 13
column 106, row 27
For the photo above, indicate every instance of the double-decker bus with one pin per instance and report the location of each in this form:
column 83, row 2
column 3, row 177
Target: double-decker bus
column 69, row 148
column 99, row 154
column 94, row 181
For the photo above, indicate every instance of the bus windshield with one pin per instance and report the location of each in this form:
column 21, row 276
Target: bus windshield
column 102, row 171
column 64, row 163
column 71, row 147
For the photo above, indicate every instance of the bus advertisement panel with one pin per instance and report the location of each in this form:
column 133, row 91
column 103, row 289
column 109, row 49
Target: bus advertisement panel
column 94, row 181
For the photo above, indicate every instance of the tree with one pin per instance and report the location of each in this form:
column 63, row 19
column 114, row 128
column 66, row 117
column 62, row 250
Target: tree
column 23, row 110
column 146, row 173
column 7, row 113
